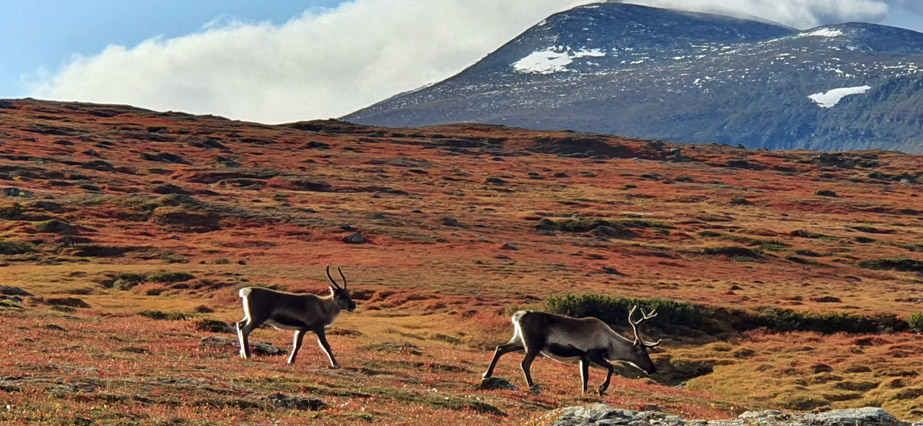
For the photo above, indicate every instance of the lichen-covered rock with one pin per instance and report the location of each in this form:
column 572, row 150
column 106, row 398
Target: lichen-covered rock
column 495, row 383
column 280, row 400
column 602, row 414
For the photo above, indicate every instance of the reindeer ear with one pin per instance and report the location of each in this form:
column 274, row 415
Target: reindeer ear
column 332, row 290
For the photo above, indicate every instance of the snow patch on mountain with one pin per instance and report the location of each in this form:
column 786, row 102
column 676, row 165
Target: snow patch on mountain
column 552, row 60
column 823, row 32
column 832, row 97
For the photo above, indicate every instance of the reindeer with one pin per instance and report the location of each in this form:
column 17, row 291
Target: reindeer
column 588, row 340
column 291, row 311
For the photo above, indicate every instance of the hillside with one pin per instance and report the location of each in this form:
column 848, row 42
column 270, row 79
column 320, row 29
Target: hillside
column 132, row 230
column 653, row 73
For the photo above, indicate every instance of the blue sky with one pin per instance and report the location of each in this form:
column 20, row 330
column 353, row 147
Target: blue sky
column 284, row 60
column 44, row 34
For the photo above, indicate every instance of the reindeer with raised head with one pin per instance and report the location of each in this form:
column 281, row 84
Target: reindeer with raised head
column 293, row 311
column 587, row 340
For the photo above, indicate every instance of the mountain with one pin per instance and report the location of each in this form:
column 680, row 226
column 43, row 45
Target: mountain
column 654, row 73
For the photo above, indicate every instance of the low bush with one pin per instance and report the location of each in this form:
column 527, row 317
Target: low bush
column 16, row 247
column 900, row 264
column 734, row 252
column 614, row 310
column 801, row 260
column 161, row 315
column 54, row 226
column 916, row 322
column 170, row 277
column 678, row 318
column 127, row 281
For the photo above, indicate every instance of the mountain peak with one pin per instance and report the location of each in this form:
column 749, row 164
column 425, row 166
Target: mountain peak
column 655, row 73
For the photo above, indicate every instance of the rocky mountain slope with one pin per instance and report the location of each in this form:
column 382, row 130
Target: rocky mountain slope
column 660, row 74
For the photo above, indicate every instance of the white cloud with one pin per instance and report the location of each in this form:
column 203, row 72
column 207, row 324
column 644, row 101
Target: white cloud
column 800, row 14
column 329, row 62
column 325, row 63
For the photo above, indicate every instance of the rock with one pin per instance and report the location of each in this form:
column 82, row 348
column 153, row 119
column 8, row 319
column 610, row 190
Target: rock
column 356, row 238
column 180, row 219
column 16, row 192
column 510, row 246
column 495, row 383
column 602, row 414
column 214, row 326
column 13, row 291
column 609, row 270
column 449, row 221
column 280, row 400
column 48, row 206
column 259, row 348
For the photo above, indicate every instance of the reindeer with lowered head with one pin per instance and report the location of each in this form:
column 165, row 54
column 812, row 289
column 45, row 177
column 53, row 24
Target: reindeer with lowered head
column 293, row 311
column 587, row 340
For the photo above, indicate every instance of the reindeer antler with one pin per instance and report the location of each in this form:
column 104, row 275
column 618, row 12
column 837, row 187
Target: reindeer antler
column 331, row 278
column 635, row 324
column 342, row 276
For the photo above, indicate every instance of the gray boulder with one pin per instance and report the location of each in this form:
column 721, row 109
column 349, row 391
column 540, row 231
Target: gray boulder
column 601, row 414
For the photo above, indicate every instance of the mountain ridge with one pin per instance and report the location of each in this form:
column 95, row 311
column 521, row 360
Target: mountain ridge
column 653, row 73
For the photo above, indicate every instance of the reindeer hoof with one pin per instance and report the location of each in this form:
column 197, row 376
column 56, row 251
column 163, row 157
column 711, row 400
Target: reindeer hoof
column 600, row 391
column 535, row 389
column 334, row 367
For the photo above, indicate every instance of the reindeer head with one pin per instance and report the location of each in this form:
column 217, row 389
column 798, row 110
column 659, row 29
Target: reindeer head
column 340, row 294
column 640, row 357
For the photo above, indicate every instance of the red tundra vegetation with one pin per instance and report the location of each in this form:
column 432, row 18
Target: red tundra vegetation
column 784, row 280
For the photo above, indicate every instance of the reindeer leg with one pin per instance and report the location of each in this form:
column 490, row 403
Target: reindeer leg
column 322, row 340
column 526, row 366
column 243, row 331
column 296, row 345
column 599, row 360
column 501, row 350
column 584, row 372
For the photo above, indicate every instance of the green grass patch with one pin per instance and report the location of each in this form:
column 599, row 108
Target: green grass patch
column 900, row 264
